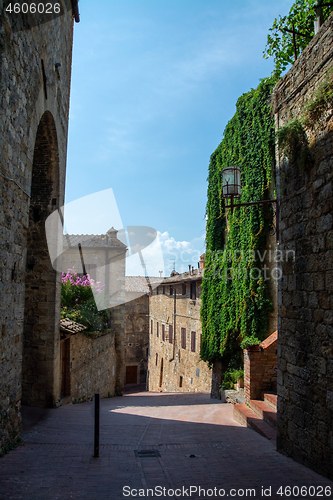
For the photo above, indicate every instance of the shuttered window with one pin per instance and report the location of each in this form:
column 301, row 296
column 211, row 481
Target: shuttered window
column 183, row 338
column 163, row 332
column 193, row 339
column 170, row 334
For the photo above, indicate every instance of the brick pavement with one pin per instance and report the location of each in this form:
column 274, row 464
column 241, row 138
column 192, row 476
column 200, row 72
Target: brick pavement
column 199, row 444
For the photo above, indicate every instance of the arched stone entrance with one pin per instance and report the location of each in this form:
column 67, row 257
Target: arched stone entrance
column 40, row 370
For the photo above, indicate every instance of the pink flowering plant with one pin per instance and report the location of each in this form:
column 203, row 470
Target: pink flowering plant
column 78, row 303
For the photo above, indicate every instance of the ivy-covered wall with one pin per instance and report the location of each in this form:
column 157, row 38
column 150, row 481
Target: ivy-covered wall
column 235, row 300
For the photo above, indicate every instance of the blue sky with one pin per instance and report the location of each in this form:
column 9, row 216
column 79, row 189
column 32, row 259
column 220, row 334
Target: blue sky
column 154, row 83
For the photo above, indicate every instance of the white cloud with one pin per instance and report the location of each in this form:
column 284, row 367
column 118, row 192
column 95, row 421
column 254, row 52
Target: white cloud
column 165, row 254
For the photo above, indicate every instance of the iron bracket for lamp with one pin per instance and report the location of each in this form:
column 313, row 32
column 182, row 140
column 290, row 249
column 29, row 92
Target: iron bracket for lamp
column 262, row 202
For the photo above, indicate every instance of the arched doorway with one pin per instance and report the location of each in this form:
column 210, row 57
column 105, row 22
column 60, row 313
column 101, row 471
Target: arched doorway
column 40, row 370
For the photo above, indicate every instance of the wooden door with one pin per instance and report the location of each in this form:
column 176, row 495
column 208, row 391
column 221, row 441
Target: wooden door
column 131, row 374
column 161, row 374
column 65, row 368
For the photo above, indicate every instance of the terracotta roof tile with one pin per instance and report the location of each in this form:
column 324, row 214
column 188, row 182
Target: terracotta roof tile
column 69, row 326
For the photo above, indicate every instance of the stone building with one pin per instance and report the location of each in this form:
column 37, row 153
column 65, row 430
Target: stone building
column 35, row 71
column 103, row 257
column 174, row 363
column 136, row 329
column 305, row 175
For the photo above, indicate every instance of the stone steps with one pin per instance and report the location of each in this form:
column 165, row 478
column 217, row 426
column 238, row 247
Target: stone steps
column 259, row 415
column 270, row 399
column 247, row 417
column 264, row 411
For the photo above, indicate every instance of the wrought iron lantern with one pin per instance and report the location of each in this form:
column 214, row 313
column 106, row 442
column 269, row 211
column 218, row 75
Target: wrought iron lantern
column 231, row 178
column 232, row 188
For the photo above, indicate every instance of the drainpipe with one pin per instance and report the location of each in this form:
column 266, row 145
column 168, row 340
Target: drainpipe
column 75, row 9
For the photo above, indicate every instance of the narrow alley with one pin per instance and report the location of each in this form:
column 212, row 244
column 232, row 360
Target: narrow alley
column 195, row 439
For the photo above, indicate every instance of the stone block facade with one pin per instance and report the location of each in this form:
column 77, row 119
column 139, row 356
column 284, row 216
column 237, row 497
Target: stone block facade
column 34, row 101
column 305, row 352
column 260, row 363
column 92, row 366
column 175, row 336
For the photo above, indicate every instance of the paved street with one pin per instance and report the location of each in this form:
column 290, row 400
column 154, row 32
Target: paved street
column 199, row 444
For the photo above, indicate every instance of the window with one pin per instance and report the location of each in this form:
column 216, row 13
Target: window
column 193, row 295
column 180, row 381
column 184, row 289
column 151, row 326
column 157, row 290
column 193, row 338
column 157, row 333
column 171, row 290
column 183, row 338
column 170, row 334
column 156, row 359
column 163, row 332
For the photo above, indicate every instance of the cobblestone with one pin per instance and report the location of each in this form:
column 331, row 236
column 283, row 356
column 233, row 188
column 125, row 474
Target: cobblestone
column 199, row 443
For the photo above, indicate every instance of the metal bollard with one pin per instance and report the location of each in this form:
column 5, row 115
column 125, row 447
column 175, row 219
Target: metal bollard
column 96, row 434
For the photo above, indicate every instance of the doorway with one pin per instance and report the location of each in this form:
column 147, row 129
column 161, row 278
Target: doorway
column 65, row 368
column 131, row 375
column 161, row 374
column 41, row 349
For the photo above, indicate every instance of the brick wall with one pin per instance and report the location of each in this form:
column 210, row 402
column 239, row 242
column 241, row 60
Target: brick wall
column 33, row 143
column 173, row 367
column 260, row 368
column 305, row 354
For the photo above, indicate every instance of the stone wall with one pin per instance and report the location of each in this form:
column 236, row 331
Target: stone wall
column 174, row 366
column 33, row 144
column 260, row 363
column 92, row 366
column 136, row 337
column 305, row 353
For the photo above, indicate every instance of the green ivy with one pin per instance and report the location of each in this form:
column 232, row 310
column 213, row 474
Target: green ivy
column 235, row 309
column 320, row 102
column 231, row 378
column 293, row 143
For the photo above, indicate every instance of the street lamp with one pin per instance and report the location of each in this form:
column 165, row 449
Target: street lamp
column 232, row 188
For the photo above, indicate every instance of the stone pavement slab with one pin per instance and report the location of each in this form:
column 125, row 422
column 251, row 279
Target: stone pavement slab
column 199, row 443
